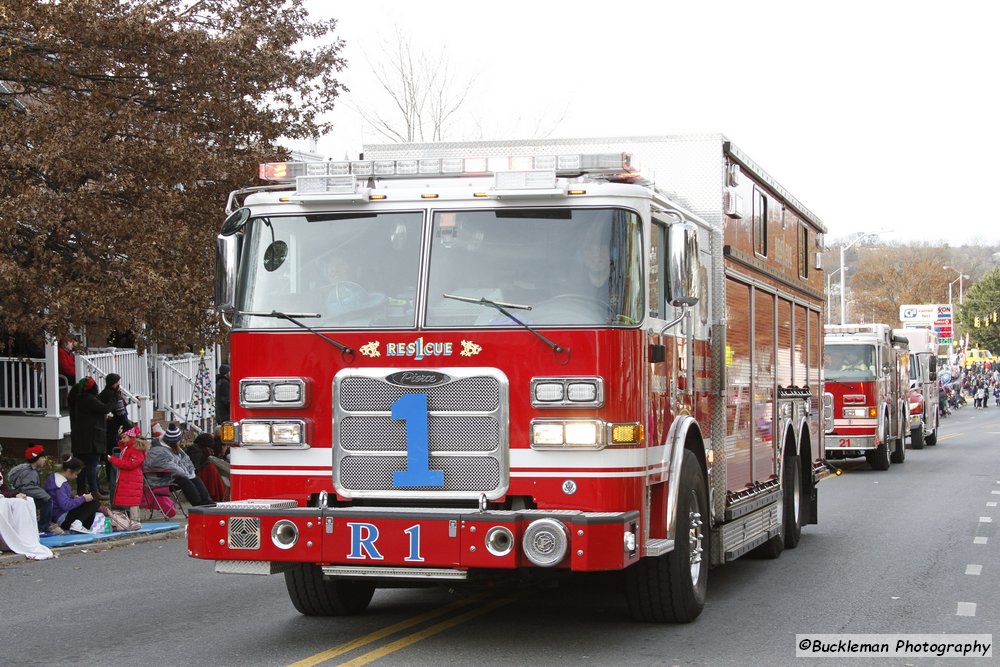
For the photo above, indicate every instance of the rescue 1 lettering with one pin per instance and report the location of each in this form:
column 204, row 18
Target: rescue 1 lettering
column 418, row 349
column 365, row 535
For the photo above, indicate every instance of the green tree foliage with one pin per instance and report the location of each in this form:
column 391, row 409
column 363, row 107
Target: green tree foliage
column 982, row 302
column 124, row 124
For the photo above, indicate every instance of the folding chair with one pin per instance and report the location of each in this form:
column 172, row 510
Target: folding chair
column 156, row 496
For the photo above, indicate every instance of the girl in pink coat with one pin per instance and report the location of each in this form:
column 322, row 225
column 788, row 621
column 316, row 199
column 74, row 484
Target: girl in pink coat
column 128, row 492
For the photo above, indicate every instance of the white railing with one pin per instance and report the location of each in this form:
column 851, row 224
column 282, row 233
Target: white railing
column 183, row 395
column 23, row 384
column 134, row 371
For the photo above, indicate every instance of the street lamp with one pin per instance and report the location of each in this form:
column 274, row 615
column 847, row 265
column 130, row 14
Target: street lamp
column 829, row 295
column 961, row 276
column 861, row 237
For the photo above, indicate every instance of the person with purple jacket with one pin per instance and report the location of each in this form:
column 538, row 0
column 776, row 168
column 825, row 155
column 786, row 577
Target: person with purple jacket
column 71, row 513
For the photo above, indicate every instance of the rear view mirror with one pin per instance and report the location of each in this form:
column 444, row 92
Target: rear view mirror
column 682, row 263
column 226, row 258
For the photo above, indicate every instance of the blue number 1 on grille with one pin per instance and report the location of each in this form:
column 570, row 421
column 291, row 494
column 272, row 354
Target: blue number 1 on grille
column 412, row 409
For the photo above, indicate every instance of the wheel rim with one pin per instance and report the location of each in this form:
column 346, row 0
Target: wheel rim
column 796, row 499
column 695, row 536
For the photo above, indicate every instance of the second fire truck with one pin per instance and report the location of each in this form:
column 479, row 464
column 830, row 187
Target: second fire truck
column 867, row 383
column 463, row 360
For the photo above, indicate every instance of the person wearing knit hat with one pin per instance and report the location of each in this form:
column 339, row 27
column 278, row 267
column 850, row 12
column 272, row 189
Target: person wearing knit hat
column 168, row 457
column 118, row 421
column 24, row 478
column 89, row 428
column 172, row 435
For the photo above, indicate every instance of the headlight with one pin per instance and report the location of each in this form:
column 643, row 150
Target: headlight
column 916, row 407
column 567, row 434
column 255, row 433
column 286, row 433
column 272, row 433
column 547, row 434
column 256, row 393
column 582, row 392
column 567, row 392
column 548, row 392
column 272, row 392
column 288, row 393
column 584, row 434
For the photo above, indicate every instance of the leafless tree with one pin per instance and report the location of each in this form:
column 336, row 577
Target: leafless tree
column 425, row 92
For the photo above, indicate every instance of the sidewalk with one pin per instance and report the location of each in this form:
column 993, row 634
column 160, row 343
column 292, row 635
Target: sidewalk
column 8, row 559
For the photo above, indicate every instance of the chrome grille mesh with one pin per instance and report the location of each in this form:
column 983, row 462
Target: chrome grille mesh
column 460, row 473
column 244, row 532
column 445, row 433
column 473, row 394
column 466, row 432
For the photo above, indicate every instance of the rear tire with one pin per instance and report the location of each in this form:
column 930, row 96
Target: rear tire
column 917, row 438
column 312, row 595
column 671, row 588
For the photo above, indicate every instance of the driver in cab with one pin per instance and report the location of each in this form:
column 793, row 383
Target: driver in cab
column 851, row 361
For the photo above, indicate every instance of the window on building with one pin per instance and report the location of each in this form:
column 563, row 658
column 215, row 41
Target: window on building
column 759, row 223
column 803, row 251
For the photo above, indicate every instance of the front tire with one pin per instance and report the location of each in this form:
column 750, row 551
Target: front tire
column 793, row 505
column 671, row 588
column 878, row 458
column 313, row 595
column 917, row 438
column 899, row 451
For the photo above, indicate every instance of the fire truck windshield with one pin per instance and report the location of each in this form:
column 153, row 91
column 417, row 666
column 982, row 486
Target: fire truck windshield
column 574, row 267
column 849, row 362
column 355, row 270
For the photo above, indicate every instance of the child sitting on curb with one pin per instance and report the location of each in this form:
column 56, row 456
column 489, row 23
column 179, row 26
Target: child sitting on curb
column 75, row 514
column 128, row 492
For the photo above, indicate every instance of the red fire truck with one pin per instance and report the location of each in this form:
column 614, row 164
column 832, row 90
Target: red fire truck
column 462, row 360
column 867, row 383
column 924, row 415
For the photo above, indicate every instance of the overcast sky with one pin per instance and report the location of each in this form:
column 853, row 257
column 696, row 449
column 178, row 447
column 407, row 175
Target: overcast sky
column 877, row 114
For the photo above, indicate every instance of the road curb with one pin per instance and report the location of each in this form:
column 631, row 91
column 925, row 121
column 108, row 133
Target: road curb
column 11, row 559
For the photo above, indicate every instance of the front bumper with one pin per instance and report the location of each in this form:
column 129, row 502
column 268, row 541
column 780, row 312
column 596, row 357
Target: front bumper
column 839, row 442
column 415, row 543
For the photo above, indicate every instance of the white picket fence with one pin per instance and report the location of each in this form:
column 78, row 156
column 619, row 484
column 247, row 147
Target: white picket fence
column 181, row 394
column 134, row 371
column 23, row 385
column 166, row 382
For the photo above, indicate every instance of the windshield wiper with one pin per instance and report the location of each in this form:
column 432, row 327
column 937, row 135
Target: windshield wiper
column 502, row 307
column 291, row 317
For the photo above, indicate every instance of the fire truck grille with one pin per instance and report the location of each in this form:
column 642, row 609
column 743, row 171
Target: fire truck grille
column 460, row 473
column 466, row 434
column 446, row 434
column 472, row 394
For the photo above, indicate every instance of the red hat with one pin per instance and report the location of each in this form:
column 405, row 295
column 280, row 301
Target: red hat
column 33, row 453
column 132, row 432
column 89, row 383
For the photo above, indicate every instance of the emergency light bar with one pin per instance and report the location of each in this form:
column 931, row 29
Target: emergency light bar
column 612, row 164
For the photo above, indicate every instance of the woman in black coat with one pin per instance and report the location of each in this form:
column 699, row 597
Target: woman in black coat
column 89, row 434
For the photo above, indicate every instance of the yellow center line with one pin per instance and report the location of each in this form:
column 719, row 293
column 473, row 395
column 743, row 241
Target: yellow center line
column 403, row 642
column 381, row 634
column 950, row 436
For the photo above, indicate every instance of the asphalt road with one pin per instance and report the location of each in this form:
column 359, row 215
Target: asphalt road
column 891, row 554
